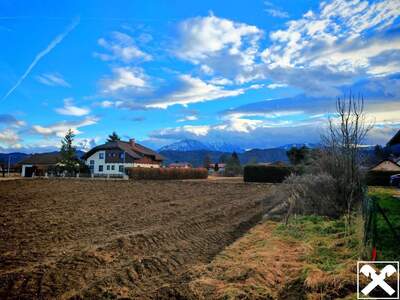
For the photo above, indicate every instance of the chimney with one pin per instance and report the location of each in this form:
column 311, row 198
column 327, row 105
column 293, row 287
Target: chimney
column 132, row 142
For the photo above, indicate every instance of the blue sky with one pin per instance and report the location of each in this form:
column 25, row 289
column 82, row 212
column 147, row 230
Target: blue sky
column 255, row 74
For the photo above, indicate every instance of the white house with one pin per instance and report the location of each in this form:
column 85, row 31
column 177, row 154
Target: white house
column 113, row 157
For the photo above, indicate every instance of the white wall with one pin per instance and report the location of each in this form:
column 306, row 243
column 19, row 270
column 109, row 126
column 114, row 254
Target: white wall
column 102, row 161
column 23, row 169
column 98, row 161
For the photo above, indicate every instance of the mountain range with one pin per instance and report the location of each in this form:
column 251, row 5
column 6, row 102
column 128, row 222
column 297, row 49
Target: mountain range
column 193, row 145
column 16, row 157
column 194, row 152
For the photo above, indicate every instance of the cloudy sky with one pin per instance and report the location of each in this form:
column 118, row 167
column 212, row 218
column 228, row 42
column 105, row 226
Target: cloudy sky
column 250, row 73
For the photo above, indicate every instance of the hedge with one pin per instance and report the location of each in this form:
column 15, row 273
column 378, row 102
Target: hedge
column 166, row 173
column 266, row 173
column 381, row 178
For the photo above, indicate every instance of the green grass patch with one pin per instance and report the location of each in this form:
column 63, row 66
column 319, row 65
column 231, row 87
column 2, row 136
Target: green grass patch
column 331, row 246
column 387, row 245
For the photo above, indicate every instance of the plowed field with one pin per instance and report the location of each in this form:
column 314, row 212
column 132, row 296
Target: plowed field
column 116, row 239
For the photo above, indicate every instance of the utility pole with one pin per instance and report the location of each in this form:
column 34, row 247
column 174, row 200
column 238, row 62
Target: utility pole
column 8, row 169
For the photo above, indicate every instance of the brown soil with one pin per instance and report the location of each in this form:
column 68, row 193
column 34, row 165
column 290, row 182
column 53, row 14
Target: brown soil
column 116, row 239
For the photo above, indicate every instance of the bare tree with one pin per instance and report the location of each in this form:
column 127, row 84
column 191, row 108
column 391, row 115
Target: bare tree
column 341, row 155
column 333, row 181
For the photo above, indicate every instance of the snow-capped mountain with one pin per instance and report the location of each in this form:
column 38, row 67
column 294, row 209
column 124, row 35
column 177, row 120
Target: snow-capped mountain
column 185, row 145
column 193, row 145
column 224, row 147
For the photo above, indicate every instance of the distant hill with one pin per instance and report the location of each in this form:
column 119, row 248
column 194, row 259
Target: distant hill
column 193, row 145
column 15, row 157
column 196, row 158
column 299, row 145
column 263, row 155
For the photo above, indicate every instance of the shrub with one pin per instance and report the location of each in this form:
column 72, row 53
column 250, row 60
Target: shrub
column 266, row 173
column 166, row 173
column 381, row 178
column 306, row 194
column 313, row 194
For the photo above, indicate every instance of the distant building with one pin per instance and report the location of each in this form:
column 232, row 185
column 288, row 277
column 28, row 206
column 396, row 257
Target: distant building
column 183, row 165
column 216, row 168
column 38, row 164
column 387, row 165
column 113, row 157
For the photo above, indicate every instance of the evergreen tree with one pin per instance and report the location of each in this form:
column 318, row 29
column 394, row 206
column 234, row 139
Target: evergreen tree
column 68, row 152
column 207, row 161
column 224, row 158
column 233, row 167
column 113, row 137
column 297, row 155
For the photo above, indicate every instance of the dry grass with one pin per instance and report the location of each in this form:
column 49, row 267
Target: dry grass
column 254, row 267
column 311, row 258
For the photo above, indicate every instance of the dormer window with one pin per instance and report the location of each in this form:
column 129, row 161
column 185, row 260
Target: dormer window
column 101, row 155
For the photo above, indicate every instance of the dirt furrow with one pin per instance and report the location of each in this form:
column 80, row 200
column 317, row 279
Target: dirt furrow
column 72, row 239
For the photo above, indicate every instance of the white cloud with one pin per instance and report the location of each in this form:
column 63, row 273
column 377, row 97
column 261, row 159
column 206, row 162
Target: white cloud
column 273, row 86
column 9, row 138
column 196, row 131
column 275, row 11
column 343, row 37
column 126, row 78
column 220, row 46
column 52, row 79
column 71, row 110
column 188, row 118
column 106, row 104
column 85, row 144
column 10, row 120
column 121, row 47
column 60, row 128
column 193, row 90
column 220, row 81
column 42, row 54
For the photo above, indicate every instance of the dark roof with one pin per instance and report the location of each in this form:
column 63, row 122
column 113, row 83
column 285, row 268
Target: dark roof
column 147, row 151
column 42, row 159
column 394, row 140
column 137, row 151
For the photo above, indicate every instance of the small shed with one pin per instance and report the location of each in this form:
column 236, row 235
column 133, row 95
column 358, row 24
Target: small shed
column 38, row 164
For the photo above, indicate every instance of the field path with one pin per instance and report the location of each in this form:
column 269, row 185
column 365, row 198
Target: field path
column 116, row 239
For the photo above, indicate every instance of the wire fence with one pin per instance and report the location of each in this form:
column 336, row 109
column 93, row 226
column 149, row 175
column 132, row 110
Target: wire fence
column 371, row 211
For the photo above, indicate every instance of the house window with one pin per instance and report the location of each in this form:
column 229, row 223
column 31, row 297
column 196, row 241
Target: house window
column 113, row 154
column 91, row 162
column 101, row 155
column 121, row 168
column 121, row 155
column 100, row 168
column 91, row 168
column 112, row 167
column 108, row 167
